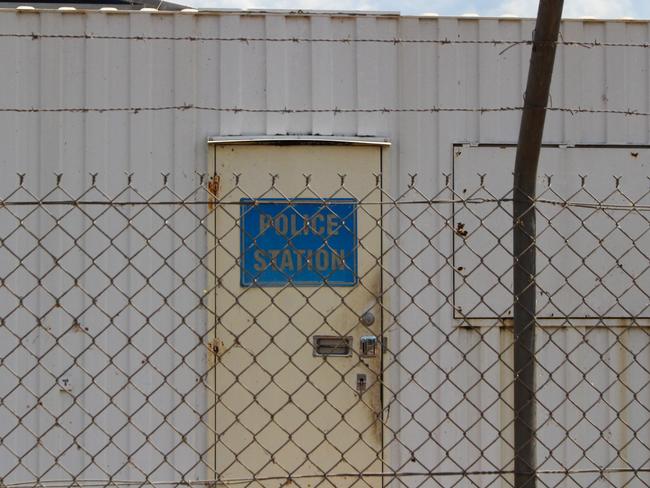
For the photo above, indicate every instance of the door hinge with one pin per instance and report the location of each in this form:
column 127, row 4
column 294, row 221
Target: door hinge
column 216, row 347
column 213, row 191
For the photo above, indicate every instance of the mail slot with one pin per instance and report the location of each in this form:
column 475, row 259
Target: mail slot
column 332, row 345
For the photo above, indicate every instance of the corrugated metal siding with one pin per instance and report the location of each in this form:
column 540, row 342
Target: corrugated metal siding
column 109, row 73
column 98, row 73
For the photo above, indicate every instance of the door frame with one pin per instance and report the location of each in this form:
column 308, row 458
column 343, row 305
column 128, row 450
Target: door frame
column 383, row 144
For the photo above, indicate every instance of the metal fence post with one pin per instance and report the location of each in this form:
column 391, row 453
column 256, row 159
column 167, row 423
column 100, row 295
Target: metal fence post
column 524, row 288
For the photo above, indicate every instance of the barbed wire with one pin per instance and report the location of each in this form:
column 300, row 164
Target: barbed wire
column 285, row 110
column 632, row 207
column 75, row 203
column 332, row 110
column 330, row 40
column 246, row 39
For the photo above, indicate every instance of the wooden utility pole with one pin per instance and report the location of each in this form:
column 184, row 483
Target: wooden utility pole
column 538, row 86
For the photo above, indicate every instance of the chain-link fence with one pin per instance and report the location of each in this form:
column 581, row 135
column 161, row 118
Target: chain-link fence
column 314, row 339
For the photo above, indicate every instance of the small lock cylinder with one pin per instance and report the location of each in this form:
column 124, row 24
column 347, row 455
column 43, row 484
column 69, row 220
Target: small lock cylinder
column 368, row 346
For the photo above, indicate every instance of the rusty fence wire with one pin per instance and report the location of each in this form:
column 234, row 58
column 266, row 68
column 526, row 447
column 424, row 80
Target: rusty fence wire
column 328, row 339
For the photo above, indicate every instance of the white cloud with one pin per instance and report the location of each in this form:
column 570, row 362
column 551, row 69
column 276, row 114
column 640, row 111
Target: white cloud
column 572, row 8
column 598, row 8
column 287, row 4
column 523, row 8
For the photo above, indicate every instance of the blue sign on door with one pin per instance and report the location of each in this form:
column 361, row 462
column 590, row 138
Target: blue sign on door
column 303, row 242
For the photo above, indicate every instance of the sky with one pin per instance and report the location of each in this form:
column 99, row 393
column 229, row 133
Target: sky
column 639, row 9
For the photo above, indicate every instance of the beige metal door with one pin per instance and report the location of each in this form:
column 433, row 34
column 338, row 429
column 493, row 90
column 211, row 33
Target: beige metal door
column 282, row 411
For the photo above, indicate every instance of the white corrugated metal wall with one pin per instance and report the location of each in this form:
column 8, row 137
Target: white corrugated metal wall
column 130, row 73
column 105, row 73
